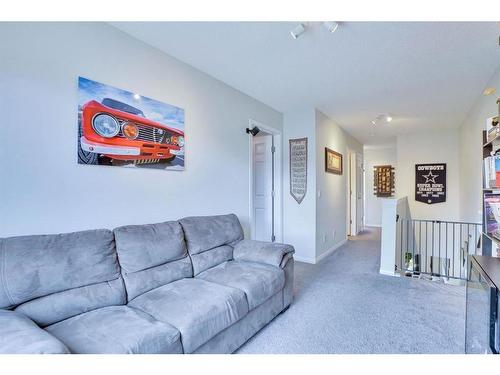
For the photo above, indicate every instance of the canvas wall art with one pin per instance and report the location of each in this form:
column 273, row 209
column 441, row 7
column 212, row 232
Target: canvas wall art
column 125, row 129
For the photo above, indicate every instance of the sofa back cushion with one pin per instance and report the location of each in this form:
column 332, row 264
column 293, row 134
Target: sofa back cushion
column 53, row 277
column 210, row 239
column 151, row 255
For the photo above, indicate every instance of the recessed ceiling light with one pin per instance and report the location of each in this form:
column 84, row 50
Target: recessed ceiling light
column 489, row 90
column 331, row 26
column 137, row 96
column 297, row 30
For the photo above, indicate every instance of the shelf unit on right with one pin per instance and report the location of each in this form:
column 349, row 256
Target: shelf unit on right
column 490, row 244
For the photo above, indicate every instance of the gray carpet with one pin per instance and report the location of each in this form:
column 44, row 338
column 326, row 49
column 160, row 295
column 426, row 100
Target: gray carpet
column 343, row 305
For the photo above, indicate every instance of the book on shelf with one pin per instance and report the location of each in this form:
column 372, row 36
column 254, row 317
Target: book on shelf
column 491, row 172
column 492, row 214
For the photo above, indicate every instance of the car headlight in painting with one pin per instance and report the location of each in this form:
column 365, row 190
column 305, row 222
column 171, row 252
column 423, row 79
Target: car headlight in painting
column 130, row 131
column 105, row 125
column 180, row 141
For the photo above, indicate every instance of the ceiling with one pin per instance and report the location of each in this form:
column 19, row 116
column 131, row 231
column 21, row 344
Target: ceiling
column 426, row 74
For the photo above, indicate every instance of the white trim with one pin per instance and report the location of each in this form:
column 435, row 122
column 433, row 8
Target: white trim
column 299, row 258
column 373, row 225
column 278, row 179
column 318, row 259
column 389, row 273
column 331, row 250
column 109, row 150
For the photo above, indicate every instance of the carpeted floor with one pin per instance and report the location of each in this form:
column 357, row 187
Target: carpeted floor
column 343, row 305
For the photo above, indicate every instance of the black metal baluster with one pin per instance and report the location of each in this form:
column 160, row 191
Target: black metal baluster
column 413, row 243
column 439, row 248
column 461, row 250
column 446, row 250
column 433, row 262
column 453, row 257
column 407, row 246
column 402, row 231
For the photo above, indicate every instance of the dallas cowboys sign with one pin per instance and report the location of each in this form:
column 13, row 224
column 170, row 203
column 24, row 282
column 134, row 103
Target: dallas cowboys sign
column 430, row 183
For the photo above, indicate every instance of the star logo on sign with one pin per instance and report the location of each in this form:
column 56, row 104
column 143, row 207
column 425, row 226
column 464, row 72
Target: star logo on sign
column 430, row 178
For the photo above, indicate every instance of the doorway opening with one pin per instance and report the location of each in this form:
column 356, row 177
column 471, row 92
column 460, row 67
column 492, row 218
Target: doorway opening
column 355, row 211
column 265, row 183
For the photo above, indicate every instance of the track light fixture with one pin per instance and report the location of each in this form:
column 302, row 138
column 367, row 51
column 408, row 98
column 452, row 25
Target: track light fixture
column 254, row 131
column 300, row 28
column 331, row 26
column 297, row 30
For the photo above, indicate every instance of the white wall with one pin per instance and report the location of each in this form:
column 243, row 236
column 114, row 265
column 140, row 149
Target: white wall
column 331, row 189
column 44, row 190
column 299, row 220
column 375, row 156
column 438, row 146
column 471, row 140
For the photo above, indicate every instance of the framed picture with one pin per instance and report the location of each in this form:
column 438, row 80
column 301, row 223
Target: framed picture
column 383, row 180
column 124, row 129
column 333, row 161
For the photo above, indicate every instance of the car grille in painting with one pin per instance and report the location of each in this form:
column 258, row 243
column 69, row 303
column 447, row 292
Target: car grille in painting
column 148, row 134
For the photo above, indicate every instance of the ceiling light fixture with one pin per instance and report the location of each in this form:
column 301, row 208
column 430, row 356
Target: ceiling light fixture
column 297, row 30
column 383, row 119
column 489, row 90
column 331, row 26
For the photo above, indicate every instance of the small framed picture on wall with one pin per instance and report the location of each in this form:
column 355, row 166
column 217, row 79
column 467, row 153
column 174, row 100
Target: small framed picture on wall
column 333, row 161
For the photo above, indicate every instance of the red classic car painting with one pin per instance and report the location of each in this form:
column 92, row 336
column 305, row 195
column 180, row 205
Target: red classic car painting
column 114, row 132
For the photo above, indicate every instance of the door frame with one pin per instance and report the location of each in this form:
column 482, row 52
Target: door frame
column 278, row 180
column 351, row 193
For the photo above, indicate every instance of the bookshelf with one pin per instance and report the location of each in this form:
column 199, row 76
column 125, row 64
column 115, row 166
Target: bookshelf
column 491, row 193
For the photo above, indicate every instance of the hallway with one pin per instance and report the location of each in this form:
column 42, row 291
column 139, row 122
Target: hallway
column 343, row 305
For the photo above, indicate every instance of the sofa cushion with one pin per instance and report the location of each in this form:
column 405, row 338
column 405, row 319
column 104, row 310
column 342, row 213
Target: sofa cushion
column 117, row 330
column 58, row 306
column 36, row 266
column 151, row 255
column 207, row 232
column 197, row 308
column 258, row 281
column 210, row 239
column 20, row 335
column 211, row 258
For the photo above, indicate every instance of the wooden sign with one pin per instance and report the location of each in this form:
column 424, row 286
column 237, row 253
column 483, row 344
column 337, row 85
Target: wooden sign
column 298, row 168
column 430, row 183
column 383, row 181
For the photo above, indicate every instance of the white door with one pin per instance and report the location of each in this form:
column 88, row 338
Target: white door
column 263, row 187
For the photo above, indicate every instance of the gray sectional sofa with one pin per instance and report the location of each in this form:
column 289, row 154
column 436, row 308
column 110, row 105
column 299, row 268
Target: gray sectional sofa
column 188, row 286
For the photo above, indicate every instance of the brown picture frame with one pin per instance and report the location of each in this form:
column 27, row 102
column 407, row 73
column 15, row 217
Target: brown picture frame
column 335, row 155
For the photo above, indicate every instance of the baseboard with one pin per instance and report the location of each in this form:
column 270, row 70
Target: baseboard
column 330, row 250
column 389, row 273
column 373, row 225
column 299, row 258
column 318, row 259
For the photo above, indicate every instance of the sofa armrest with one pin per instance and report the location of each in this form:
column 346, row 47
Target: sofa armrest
column 272, row 253
column 20, row 335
